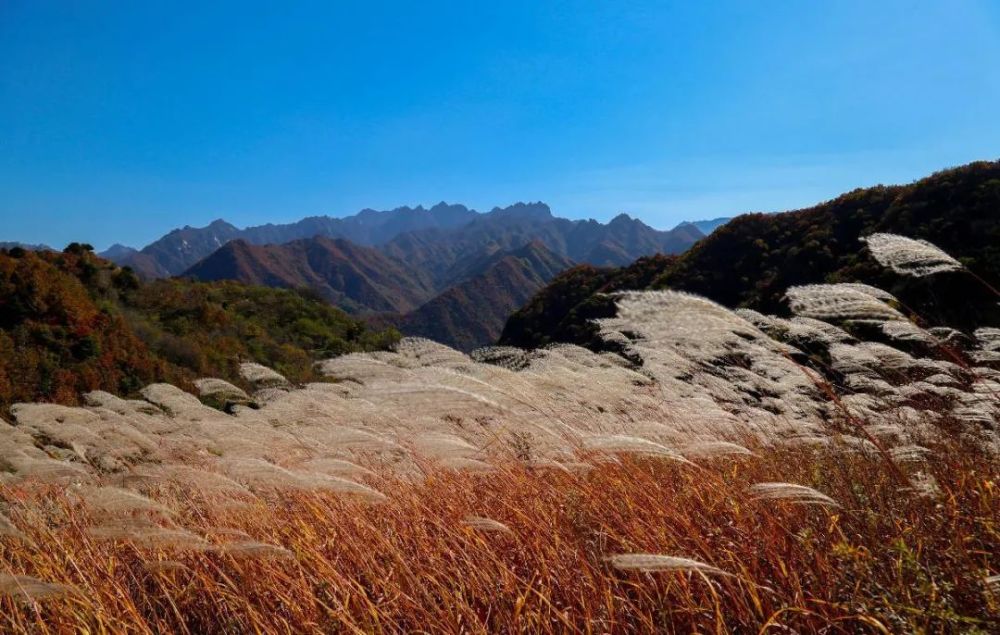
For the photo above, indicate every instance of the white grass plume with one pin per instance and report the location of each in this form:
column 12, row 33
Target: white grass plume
column 839, row 302
column 792, row 493
column 213, row 386
column 344, row 486
column 650, row 562
column 49, row 470
column 27, row 588
column 262, row 474
column 261, row 375
column 465, row 464
column 908, row 256
column 630, row 445
column 923, row 485
column 710, row 449
column 336, row 467
column 909, row 453
column 115, row 500
column 485, row 524
column 906, row 331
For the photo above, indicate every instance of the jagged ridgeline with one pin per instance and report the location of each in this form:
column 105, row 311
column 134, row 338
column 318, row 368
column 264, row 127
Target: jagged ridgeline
column 71, row 322
column 751, row 261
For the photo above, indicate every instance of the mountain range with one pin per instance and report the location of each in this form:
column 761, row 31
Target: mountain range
column 413, row 229
column 408, row 265
column 181, row 248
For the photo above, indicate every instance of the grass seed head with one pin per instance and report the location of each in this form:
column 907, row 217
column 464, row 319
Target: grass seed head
column 650, row 562
column 792, row 493
column 908, row 256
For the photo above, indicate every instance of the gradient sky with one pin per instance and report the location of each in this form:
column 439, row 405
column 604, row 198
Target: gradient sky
column 122, row 120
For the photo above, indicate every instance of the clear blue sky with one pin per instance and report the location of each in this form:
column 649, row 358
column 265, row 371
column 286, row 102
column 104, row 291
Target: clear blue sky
column 121, row 120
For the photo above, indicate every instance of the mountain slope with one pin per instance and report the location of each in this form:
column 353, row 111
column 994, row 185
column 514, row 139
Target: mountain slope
column 71, row 322
column 706, row 227
column 350, row 276
column 181, row 248
column 753, row 259
column 472, row 313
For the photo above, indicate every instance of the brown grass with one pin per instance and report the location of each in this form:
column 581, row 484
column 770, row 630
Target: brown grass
column 885, row 561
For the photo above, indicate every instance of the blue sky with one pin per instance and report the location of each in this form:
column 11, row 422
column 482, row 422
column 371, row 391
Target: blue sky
column 121, row 120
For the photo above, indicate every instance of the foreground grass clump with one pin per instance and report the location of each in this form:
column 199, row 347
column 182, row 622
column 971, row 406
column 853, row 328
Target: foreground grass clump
column 641, row 545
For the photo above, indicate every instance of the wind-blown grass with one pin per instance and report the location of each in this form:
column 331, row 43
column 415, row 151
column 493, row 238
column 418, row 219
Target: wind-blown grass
column 618, row 549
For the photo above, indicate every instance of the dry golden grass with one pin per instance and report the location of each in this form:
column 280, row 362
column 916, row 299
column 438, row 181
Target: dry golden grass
column 886, row 560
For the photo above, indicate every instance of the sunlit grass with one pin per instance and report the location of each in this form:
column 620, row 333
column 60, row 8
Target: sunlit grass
column 531, row 550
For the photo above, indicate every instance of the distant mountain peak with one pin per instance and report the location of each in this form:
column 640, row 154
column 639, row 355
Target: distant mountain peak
column 623, row 220
column 526, row 211
column 117, row 251
column 215, row 225
column 705, row 226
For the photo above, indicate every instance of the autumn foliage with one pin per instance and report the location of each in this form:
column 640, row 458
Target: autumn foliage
column 71, row 322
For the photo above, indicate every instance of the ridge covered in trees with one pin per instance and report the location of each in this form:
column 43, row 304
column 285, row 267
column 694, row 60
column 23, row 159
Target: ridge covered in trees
column 71, row 322
column 753, row 259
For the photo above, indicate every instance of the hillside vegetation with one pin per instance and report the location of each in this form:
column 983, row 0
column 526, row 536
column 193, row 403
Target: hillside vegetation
column 352, row 277
column 71, row 322
column 751, row 261
column 473, row 312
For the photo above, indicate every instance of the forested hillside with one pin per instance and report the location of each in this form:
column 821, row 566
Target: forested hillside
column 352, row 277
column 473, row 312
column 71, row 322
column 753, row 259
